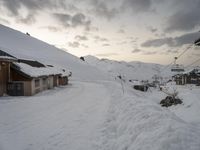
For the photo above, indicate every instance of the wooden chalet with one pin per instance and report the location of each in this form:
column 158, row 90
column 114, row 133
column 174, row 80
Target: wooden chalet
column 190, row 77
column 19, row 77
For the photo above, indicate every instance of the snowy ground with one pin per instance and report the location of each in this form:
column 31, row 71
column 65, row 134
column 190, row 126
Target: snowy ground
column 136, row 121
column 94, row 112
column 99, row 116
column 65, row 118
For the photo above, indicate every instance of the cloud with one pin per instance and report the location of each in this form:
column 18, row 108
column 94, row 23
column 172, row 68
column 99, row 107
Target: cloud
column 81, row 38
column 159, row 42
column 137, row 6
column 29, row 19
column 106, row 44
column 106, row 54
column 64, row 19
column 79, row 19
column 2, row 20
column 101, row 9
column 136, row 50
column 172, row 51
column 101, row 39
column 121, row 31
column 74, row 44
column 172, row 42
column 122, row 43
column 150, row 53
column 32, row 8
column 152, row 29
column 76, row 20
column 14, row 6
column 52, row 28
column 143, row 52
column 186, row 18
column 84, row 45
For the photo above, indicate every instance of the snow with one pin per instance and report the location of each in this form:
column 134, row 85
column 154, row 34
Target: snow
column 128, row 70
column 96, row 111
column 26, row 47
column 41, row 71
column 59, row 119
column 135, row 121
column 7, row 58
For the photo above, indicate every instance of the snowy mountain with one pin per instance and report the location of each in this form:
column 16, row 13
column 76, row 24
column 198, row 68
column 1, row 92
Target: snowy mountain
column 24, row 46
column 95, row 112
column 129, row 70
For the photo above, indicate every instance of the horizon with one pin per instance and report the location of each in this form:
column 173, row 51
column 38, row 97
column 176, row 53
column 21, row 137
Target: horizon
column 123, row 30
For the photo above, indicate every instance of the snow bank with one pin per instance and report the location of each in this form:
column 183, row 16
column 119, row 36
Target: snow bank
column 135, row 122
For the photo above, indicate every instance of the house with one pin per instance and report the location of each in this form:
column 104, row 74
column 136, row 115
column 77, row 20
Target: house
column 26, row 80
column 20, row 77
column 63, row 78
column 180, row 79
column 189, row 77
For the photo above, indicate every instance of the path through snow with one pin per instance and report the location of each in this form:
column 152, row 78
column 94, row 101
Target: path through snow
column 66, row 118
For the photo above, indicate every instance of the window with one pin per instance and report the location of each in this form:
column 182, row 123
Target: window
column 37, row 83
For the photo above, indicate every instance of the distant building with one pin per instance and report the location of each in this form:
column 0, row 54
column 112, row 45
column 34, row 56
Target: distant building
column 189, row 77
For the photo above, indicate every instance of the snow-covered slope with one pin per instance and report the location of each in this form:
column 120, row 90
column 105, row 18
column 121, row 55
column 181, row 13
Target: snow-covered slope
column 128, row 70
column 23, row 46
column 96, row 114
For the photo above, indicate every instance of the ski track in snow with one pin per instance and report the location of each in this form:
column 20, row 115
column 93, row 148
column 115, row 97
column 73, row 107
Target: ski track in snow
column 66, row 118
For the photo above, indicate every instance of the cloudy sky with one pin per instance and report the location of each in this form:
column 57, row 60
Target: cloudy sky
column 129, row 30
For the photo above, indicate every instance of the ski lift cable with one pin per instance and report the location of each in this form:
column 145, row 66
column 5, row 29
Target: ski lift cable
column 193, row 63
column 187, row 48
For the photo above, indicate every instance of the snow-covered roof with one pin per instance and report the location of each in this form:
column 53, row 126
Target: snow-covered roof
column 196, row 70
column 41, row 71
column 8, row 58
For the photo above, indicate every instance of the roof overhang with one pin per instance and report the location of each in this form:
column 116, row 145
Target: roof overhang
column 197, row 42
column 8, row 59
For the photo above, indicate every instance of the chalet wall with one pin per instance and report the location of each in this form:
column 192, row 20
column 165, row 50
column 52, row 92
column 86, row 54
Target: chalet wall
column 4, row 70
column 44, row 84
column 63, row 80
column 50, row 82
column 55, row 81
column 15, row 76
column 41, row 84
column 27, row 88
